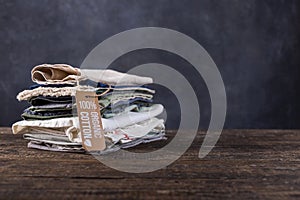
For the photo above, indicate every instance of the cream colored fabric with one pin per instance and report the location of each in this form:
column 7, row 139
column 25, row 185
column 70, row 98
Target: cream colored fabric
column 46, row 91
column 112, row 77
column 26, row 126
column 55, row 74
column 71, row 91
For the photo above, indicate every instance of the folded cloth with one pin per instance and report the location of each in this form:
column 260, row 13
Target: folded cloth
column 150, row 137
column 49, row 138
column 47, row 100
column 29, row 115
column 108, row 113
column 55, row 147
column 130, row 118
column 53, row 106
column 119, row 121
column 112, row 77
column 26, row 126
column 66, row 74
column 116, row 98
column 57, row 131
column 136, row 130
column 124, row 89
column 70, row 147
column 51, row 111
column 47, row 111
column 123, row 135
column 130, row 132
column 128, row 101
column 144, row 132
column 71, row 91
column 46, row 91
column 99, row 85
column 50, row 85
column 72, row 124
column 55, row 74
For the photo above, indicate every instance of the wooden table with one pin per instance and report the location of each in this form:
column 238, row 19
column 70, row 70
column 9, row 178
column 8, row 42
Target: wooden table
column 245, row 164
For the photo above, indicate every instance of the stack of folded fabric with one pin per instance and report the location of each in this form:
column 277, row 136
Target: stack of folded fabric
column 51, row 122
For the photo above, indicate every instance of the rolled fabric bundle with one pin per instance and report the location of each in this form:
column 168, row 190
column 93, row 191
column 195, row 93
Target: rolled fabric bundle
column 57, row 73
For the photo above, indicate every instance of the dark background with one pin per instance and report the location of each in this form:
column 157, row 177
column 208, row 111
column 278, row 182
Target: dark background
column 255, row 44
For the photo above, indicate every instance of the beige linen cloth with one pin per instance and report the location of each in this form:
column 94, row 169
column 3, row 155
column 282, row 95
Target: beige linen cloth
column 55, row 74
column 46, row 91
column 66, row 74
column 71, row 91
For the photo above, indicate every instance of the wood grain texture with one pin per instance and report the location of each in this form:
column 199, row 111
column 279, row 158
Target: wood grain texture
column 245, row 164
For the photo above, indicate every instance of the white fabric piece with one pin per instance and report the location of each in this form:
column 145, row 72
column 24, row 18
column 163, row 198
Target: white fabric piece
column 135, row 131
column 112, row 77
column 130, row 88
column 118, row 121
column 131, row 118
column 25, row 126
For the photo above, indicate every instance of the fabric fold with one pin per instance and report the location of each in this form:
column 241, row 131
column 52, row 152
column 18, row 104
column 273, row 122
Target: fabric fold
column 112, row 77
column 124, row 120
column 55, row 74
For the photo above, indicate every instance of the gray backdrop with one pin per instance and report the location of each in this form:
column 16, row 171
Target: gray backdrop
column 255, row 44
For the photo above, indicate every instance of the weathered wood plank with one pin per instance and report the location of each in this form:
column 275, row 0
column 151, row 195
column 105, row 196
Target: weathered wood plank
column 245, row 164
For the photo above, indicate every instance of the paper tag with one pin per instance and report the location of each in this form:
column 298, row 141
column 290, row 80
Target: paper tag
column 91, row 128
